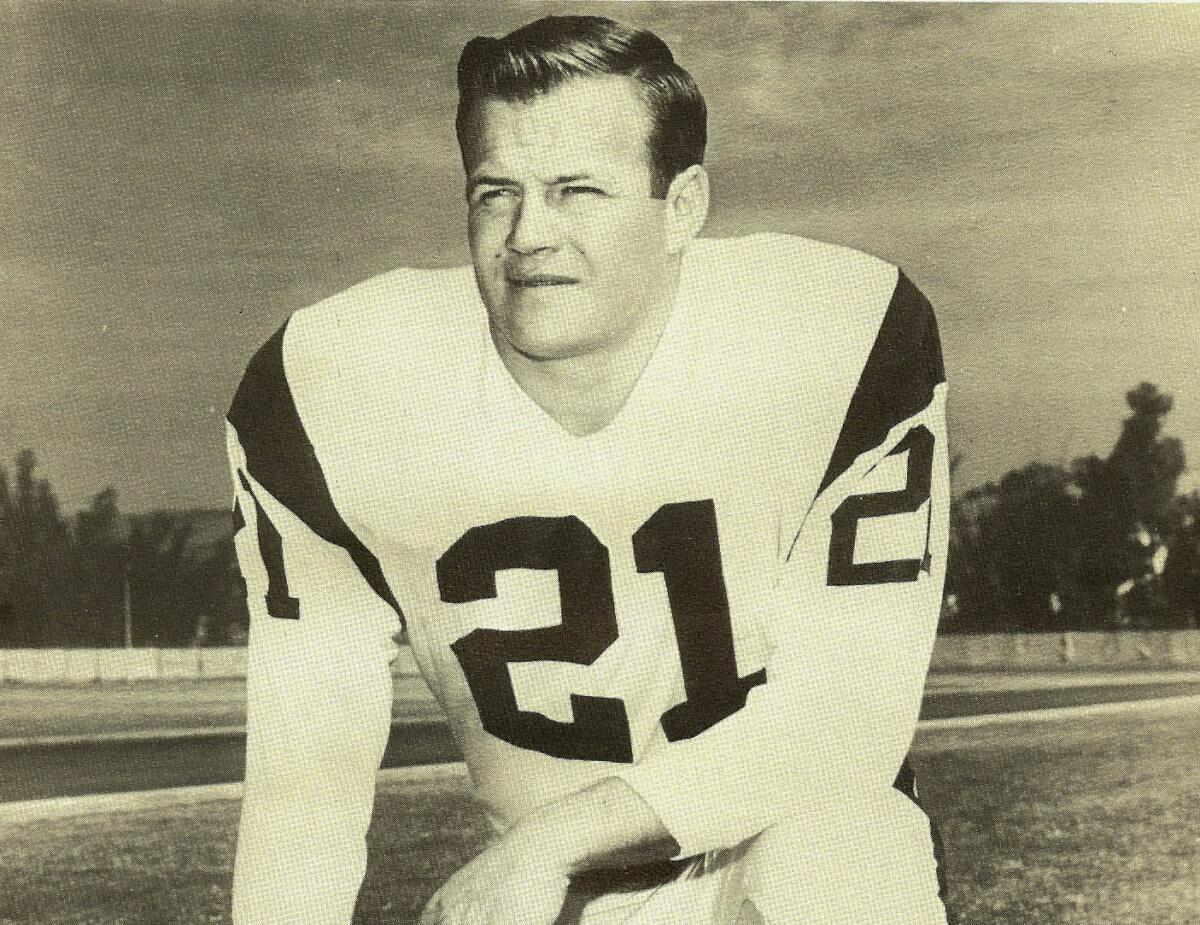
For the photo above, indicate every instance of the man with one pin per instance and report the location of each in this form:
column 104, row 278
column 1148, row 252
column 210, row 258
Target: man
column 664, row 518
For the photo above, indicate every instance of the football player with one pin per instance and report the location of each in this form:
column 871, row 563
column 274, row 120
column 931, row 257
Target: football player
column 664, row 519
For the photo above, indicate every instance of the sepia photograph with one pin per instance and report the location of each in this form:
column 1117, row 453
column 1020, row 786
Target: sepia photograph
column 601, row 463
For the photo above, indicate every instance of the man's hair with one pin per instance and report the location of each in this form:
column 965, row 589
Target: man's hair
column 542, row 55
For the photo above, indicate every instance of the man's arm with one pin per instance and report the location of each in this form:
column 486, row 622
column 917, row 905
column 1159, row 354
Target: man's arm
column 853, row 619
column 319, row 685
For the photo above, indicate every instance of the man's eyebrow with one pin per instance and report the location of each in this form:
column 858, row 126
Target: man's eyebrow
column 486, row 180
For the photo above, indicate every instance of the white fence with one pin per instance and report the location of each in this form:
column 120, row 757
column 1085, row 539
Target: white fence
column 1154, row 649
column 1147, row 649
column 72, row 666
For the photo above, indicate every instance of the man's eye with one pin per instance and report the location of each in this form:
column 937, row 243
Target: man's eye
column 575, row 190
column 491, row 195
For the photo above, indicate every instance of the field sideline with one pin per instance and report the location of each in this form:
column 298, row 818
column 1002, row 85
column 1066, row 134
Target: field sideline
column 73, row 741
column 1091, row 821
column 35, row 711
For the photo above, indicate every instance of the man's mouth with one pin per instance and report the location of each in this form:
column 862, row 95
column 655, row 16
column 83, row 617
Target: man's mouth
column 535, row 280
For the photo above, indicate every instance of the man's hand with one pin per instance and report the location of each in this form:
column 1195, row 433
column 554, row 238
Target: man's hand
column 522, row 878
column 510, row 883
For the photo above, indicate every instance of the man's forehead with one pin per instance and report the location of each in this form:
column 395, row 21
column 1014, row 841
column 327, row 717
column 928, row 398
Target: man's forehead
column 573, row 128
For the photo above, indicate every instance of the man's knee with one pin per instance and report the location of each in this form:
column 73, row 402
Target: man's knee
column 869, row 868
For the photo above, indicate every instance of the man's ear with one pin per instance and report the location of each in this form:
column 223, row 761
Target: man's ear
column 687, row 207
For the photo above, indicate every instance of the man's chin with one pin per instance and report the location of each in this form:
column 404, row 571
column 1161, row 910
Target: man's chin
column 548, row 341
column 547, row 307
column 548, row 349
column 544, row 323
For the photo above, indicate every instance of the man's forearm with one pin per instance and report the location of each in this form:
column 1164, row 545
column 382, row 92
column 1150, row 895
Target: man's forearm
column 605, row 825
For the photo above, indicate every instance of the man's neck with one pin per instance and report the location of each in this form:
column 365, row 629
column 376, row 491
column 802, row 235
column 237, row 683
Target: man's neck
column 585, row 393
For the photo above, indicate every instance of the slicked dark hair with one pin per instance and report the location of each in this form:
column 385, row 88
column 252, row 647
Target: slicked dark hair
column 545, row 54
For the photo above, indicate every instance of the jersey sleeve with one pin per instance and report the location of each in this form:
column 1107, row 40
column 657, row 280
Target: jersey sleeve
column 851, row 619
column 319, row 687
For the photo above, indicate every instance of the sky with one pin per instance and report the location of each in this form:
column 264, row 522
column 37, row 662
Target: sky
column 176, row 179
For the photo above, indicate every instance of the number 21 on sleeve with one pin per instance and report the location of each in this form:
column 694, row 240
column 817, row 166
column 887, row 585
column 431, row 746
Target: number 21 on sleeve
column 843, row 570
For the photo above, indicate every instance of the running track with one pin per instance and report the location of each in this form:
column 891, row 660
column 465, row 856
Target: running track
column 46, row 768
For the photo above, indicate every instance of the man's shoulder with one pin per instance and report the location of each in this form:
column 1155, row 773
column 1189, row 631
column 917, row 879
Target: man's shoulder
column 402, row 313
column 398, row 324
column 775, row 296
column 794, row 260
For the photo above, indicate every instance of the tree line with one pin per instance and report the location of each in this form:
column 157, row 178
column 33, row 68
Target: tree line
column 1099, row 543
column 101, row 578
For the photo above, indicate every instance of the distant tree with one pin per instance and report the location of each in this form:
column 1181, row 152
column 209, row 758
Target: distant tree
column 166, row 587
column 100, row 540
column 228, row 616
column 1128, row 511
column 36, row 558
column 184, row 589
column 1104, row 543
column 65, row 582
column 1181, row 573
column 1012, row 551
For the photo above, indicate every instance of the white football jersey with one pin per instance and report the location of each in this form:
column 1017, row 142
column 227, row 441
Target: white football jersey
column 727, row 597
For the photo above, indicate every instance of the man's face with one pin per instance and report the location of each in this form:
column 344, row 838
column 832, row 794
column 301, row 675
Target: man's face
column 570, row 250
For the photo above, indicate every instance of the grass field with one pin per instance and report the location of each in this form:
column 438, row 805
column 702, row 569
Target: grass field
column 1087, row 822
column 1093, row 822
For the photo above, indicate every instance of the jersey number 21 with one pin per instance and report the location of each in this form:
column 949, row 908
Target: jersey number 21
column 679, row 541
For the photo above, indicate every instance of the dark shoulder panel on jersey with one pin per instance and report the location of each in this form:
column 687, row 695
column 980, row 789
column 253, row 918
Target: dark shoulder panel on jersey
column 281, row 458
column 901, row 372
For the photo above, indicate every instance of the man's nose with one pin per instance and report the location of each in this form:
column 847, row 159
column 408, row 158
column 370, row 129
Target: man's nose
column 534, row 228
